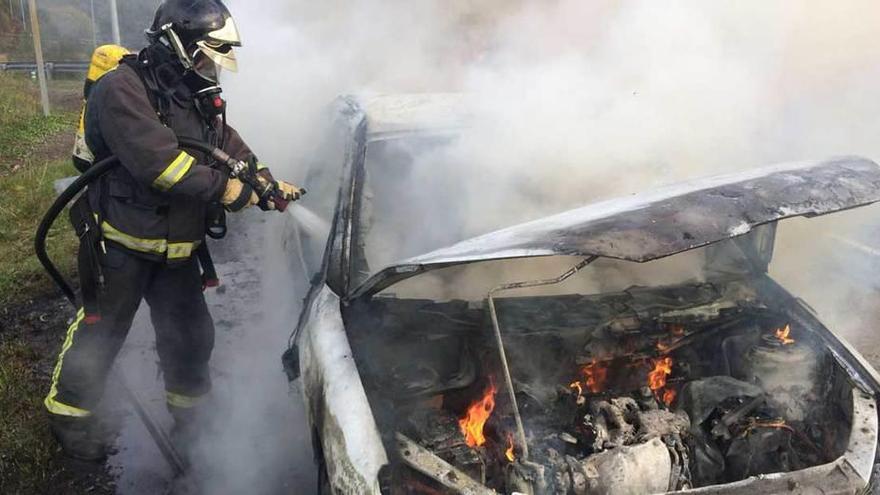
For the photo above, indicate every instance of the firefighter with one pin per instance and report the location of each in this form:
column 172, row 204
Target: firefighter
column 151, row 214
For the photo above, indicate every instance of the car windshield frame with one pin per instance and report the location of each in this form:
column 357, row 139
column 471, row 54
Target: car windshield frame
column 358, row 237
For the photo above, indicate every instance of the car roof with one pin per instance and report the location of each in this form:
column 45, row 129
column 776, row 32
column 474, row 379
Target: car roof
column 391, row 116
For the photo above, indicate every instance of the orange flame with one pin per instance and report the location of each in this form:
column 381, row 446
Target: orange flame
column 777, row 424
column 595, row 376
column 783, row 335
column 669, row 396
column 477, row 414
column 509, row 452
column 657, row 377
column 676, row 332
column 577, row 386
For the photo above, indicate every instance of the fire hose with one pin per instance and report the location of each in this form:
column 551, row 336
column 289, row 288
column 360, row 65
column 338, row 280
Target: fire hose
column 266, row 190
column 237, row 169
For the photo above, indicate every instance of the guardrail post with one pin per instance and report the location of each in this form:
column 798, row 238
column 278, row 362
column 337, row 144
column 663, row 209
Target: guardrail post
column 94, row 26
column 114, row 21
column 38, row 51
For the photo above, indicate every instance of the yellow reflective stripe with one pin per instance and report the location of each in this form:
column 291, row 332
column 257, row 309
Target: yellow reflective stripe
column 174, row 172
column 82, row 120
column 183, row 170
column 183, row 401
column 260, row 166
column 155, row 246
column 53, row 405
column 62, row 409
column 181, row 250
column 174, row 250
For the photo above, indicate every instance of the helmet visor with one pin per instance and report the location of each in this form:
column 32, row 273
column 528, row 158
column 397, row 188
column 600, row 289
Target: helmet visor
column 219, row 53
column 205, row 67
column 228, row 34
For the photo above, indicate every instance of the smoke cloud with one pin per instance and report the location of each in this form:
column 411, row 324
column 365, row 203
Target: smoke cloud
column 571, row 102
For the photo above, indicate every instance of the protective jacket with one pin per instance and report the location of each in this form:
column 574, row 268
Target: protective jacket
column 155, row 205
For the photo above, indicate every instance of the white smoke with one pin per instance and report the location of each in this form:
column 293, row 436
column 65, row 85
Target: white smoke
column 578, row 101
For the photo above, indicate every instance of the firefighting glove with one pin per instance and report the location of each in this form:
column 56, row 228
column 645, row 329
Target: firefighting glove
column 290, row 192
column 287, row 192
column 283, row 191
column 238, row 195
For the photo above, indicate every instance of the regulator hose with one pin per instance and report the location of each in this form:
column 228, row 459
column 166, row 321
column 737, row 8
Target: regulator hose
column 61, row 202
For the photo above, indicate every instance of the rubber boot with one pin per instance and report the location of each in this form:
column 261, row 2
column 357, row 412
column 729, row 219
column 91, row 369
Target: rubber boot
column 187, row 429
column 77, row 437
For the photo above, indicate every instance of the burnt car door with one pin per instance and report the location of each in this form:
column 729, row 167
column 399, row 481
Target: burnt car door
column 347, row 444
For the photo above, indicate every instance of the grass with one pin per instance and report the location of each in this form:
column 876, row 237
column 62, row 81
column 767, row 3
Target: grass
column 29, row 462
column 22, row 124
column 27, row 447
column 24, row 198
column 27, row 192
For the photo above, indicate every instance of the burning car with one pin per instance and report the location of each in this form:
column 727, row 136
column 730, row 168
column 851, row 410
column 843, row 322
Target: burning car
column 631, row 346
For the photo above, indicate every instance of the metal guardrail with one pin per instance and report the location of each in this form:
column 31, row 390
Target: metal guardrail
column 51, row 67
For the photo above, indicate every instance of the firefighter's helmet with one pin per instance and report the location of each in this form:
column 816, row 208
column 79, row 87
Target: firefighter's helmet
column 202, row 34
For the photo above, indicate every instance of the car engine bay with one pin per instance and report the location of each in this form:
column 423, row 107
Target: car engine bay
column 647, row 390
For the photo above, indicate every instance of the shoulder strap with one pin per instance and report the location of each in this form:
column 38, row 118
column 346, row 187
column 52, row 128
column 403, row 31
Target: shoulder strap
column 152, row 88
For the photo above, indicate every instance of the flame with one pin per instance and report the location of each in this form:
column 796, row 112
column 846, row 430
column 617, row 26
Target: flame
column 676, row 332
column 577, row 386
column 509, row 452
column 783, row 335
column 595, row 375
column 477, row 414
column 657, row 377
column 773, row 423
column 669, row 396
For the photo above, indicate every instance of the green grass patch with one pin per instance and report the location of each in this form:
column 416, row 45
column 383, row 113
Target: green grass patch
column 24, row 198
column 31, row 159
column 26, row 193
column 28, row 448
column 22, row 125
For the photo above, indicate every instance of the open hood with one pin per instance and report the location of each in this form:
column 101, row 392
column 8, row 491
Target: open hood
column 664, row 221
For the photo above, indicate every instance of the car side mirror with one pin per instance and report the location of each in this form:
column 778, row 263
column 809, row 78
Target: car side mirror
column 290, row 361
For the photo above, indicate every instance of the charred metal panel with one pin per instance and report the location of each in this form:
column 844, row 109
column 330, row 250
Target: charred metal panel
column 427, row 463
column 337, row 403
column 668, row 220
column 848, row 474
column 338, row 248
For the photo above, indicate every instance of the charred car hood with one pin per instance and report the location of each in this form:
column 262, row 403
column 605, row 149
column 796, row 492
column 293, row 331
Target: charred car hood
column 664, row 221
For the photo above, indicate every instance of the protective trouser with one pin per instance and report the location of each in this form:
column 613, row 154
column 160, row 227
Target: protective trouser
column 183, row 326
